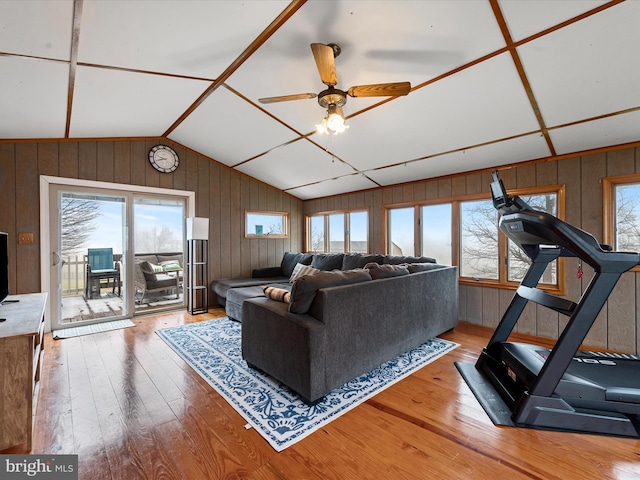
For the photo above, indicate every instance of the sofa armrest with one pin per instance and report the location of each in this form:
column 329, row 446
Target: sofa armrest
column 289, row 347
column 267, row 272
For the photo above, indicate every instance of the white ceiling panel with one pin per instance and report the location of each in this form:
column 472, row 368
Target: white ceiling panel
column 350, row 183
column 586, row 69
column 33, row 98
column 476, row 105
column 528, row 147
column 141, row 64
column 296, row 164
column 608, row 131
column 527, row 17
column 39, row 28
column 229, row 130
column 115, row 103
column 196, row 38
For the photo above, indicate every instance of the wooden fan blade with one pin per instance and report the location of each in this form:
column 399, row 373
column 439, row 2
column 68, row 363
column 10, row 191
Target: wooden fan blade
column 286, row 98
column 323, row 54
column 380, row 90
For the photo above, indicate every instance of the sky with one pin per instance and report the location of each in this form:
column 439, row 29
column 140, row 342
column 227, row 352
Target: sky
column 146, row 217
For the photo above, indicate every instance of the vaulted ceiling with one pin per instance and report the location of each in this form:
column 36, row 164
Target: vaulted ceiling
column 494, row 82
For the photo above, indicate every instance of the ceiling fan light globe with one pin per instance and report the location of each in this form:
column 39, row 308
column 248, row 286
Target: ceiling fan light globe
column 335, row 123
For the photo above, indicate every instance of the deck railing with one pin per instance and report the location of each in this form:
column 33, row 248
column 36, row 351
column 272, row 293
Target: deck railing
column 73, row 272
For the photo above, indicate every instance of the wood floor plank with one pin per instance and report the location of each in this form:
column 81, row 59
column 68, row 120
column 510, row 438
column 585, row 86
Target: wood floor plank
column 130, row 407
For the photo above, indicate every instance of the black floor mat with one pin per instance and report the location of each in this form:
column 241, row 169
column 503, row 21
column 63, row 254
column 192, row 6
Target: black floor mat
column 490, row 400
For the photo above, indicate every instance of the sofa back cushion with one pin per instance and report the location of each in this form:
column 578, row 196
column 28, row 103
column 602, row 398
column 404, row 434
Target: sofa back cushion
column 351, row 261
column 327, row 261
column 422, row 267
column 305, row 288
column 398, row 259
column 385, row 271
column 290, row 260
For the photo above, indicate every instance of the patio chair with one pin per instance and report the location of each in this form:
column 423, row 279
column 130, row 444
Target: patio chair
column 101, row 266
column 148, row 280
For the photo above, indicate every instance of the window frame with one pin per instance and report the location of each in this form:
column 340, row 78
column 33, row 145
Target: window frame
column 609, row 185
column 285, row 223
column 456, row 201
column 327, row 232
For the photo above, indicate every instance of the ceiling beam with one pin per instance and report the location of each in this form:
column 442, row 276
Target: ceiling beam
column 280, row 20
column 73, row 63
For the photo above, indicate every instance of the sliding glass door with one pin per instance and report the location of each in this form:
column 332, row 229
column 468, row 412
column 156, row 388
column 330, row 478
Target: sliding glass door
column 158, row 252
column 113, row 254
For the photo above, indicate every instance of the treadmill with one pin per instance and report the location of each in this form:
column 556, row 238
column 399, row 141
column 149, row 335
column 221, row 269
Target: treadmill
column 562, row 388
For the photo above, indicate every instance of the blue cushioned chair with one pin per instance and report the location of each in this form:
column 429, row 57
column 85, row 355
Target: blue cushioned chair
column 100, row 266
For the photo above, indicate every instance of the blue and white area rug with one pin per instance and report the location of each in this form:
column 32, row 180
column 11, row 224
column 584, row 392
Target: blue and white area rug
column 213, row 349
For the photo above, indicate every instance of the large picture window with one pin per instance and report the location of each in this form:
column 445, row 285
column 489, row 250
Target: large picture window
column 464, row 232
column 338, row 232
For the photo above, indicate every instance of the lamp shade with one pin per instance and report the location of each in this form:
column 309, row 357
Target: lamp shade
column 197, row 228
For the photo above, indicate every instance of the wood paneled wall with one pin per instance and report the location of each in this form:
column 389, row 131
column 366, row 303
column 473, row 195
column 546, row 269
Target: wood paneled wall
column 618, row 325
column 222, row 195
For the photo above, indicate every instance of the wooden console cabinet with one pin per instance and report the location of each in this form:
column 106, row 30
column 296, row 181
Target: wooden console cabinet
column 21, row 351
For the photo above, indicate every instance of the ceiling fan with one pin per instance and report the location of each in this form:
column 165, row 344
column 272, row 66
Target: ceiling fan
column 334, row 99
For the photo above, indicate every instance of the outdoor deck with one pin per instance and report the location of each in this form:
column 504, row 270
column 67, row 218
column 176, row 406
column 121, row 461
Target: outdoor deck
column 77, row 308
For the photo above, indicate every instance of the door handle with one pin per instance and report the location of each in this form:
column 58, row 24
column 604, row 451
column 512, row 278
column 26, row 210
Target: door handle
column 56, row 258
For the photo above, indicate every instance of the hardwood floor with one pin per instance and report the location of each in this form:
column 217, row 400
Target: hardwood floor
column 131, row 408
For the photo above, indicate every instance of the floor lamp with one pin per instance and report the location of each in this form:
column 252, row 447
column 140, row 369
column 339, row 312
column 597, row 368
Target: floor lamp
column 197, row 265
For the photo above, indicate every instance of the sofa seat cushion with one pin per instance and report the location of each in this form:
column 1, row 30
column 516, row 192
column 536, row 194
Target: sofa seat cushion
column 222, row 286
column 304, row 290
column 237, row 296
column 161, row 280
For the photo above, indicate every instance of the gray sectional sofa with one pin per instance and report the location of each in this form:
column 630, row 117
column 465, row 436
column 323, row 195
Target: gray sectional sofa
column 336, row 324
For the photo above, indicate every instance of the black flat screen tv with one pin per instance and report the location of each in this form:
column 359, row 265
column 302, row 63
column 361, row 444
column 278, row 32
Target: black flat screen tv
column 4, row 265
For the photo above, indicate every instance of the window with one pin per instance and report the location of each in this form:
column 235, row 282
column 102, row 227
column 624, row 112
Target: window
column 401, row 231
column 464, row 232
column 622, row 213
column 337, row 232
column 266, row 224
column 484, row 249
column 479, row 257
column 435, row 234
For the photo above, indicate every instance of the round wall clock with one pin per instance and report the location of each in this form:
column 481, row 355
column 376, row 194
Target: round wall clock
column 164, row 158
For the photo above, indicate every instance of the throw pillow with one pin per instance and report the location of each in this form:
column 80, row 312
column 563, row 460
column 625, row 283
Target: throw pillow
column 170, row 265
column 327, row 261
column 352, row 261
column 301, row 270
column 277, row 294
column 305, row 288
column 385, row 271
column 165, row 258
